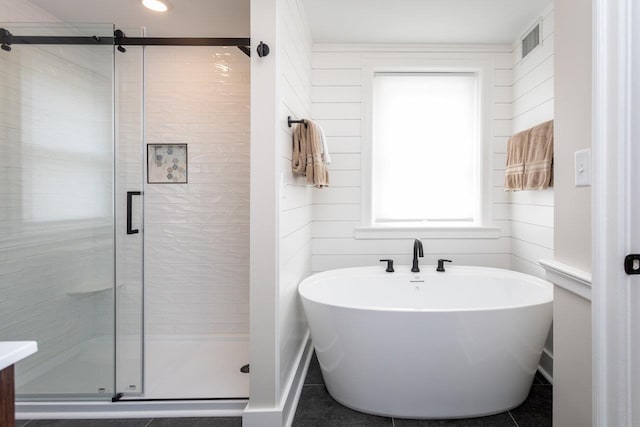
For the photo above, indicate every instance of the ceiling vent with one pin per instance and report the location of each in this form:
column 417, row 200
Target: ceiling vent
column 531, row 40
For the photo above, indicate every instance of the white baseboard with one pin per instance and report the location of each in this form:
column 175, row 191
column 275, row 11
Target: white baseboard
column 545, row 374
column 546, row 365
column 283, row 414
column 295, row 389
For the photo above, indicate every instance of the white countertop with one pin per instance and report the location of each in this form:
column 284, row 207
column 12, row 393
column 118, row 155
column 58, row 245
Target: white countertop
column 12, row 352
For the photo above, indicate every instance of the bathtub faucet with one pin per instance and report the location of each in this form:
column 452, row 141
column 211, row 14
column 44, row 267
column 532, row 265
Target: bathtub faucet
column 417, row 252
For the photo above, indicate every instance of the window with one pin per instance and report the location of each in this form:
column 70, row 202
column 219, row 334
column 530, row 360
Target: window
column 425, row 148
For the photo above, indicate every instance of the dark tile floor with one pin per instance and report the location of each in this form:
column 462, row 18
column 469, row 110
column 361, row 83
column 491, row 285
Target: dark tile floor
column 318, row 409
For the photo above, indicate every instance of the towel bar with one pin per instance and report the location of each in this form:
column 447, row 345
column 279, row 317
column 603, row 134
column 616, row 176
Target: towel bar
column 291, row 121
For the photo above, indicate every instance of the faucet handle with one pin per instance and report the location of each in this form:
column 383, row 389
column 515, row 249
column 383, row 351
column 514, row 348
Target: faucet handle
column 441, row 264
column 389, row 265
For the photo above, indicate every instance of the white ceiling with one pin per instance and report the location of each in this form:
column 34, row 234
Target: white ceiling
column 421, row 21
column 331, row 21
column 186, row 18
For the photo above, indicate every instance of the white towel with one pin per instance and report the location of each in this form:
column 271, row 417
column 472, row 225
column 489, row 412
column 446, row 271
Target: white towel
column 326, row 158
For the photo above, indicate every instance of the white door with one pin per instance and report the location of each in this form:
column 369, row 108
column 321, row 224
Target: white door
column 616, row 213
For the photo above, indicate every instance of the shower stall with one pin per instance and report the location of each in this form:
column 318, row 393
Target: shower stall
column 124, row 210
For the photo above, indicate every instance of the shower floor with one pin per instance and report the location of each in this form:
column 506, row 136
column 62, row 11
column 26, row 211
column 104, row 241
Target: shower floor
column 176, row 367
column 180, row 367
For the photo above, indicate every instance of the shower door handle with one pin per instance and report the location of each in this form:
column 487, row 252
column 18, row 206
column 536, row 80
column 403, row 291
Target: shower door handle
column 130, row 195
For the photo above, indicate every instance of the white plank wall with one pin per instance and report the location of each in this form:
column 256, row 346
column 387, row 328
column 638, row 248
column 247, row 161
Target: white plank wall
column 532, row 211
column 337, row 105
column 294, row 54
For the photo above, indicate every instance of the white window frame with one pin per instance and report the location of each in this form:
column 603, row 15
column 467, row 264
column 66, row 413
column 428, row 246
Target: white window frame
column 443, row 63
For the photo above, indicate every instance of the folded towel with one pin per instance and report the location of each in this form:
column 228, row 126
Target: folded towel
column 538, row 158
column 299, row 152
column 515, row 161
column 306, row 159
column 317, row 172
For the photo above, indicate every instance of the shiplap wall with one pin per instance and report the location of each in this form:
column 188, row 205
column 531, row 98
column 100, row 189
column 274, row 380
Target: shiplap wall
column 296, row 202
column 337, row 105
column 532, row 211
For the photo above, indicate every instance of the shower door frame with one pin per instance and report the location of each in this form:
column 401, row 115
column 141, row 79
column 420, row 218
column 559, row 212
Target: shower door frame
column 7, row 39
column 139, row 396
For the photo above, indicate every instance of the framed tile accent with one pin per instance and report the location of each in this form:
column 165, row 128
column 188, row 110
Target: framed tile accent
column 167, row 164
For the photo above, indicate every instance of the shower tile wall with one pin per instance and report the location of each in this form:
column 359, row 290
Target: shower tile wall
column 56, row 237
column 197, row 234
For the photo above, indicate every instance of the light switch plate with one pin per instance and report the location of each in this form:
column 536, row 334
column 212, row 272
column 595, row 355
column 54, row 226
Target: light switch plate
column 583, row 168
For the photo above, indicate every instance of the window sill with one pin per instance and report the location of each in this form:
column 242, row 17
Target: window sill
column 399, row 232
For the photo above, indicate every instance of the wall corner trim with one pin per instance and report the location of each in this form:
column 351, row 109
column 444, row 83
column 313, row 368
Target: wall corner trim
column 569, row 278
column 283, row 414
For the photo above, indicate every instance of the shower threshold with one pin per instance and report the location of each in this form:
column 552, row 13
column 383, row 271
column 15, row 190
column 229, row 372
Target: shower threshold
column 132, row 409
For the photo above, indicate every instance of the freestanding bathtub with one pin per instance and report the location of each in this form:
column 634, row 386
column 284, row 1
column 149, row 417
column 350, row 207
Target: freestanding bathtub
column 457, row 344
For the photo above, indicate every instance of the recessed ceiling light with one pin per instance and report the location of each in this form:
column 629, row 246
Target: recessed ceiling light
column 156, row 5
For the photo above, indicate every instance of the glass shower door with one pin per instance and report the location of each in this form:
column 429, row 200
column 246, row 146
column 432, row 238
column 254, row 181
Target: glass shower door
column 57, row 246
column 130, row 158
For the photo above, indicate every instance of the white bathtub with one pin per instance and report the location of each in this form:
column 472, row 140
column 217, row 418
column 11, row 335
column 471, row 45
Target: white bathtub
column 462, row 343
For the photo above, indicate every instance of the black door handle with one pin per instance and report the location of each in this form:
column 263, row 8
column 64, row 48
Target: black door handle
column 130, row 195
column 632, row 264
